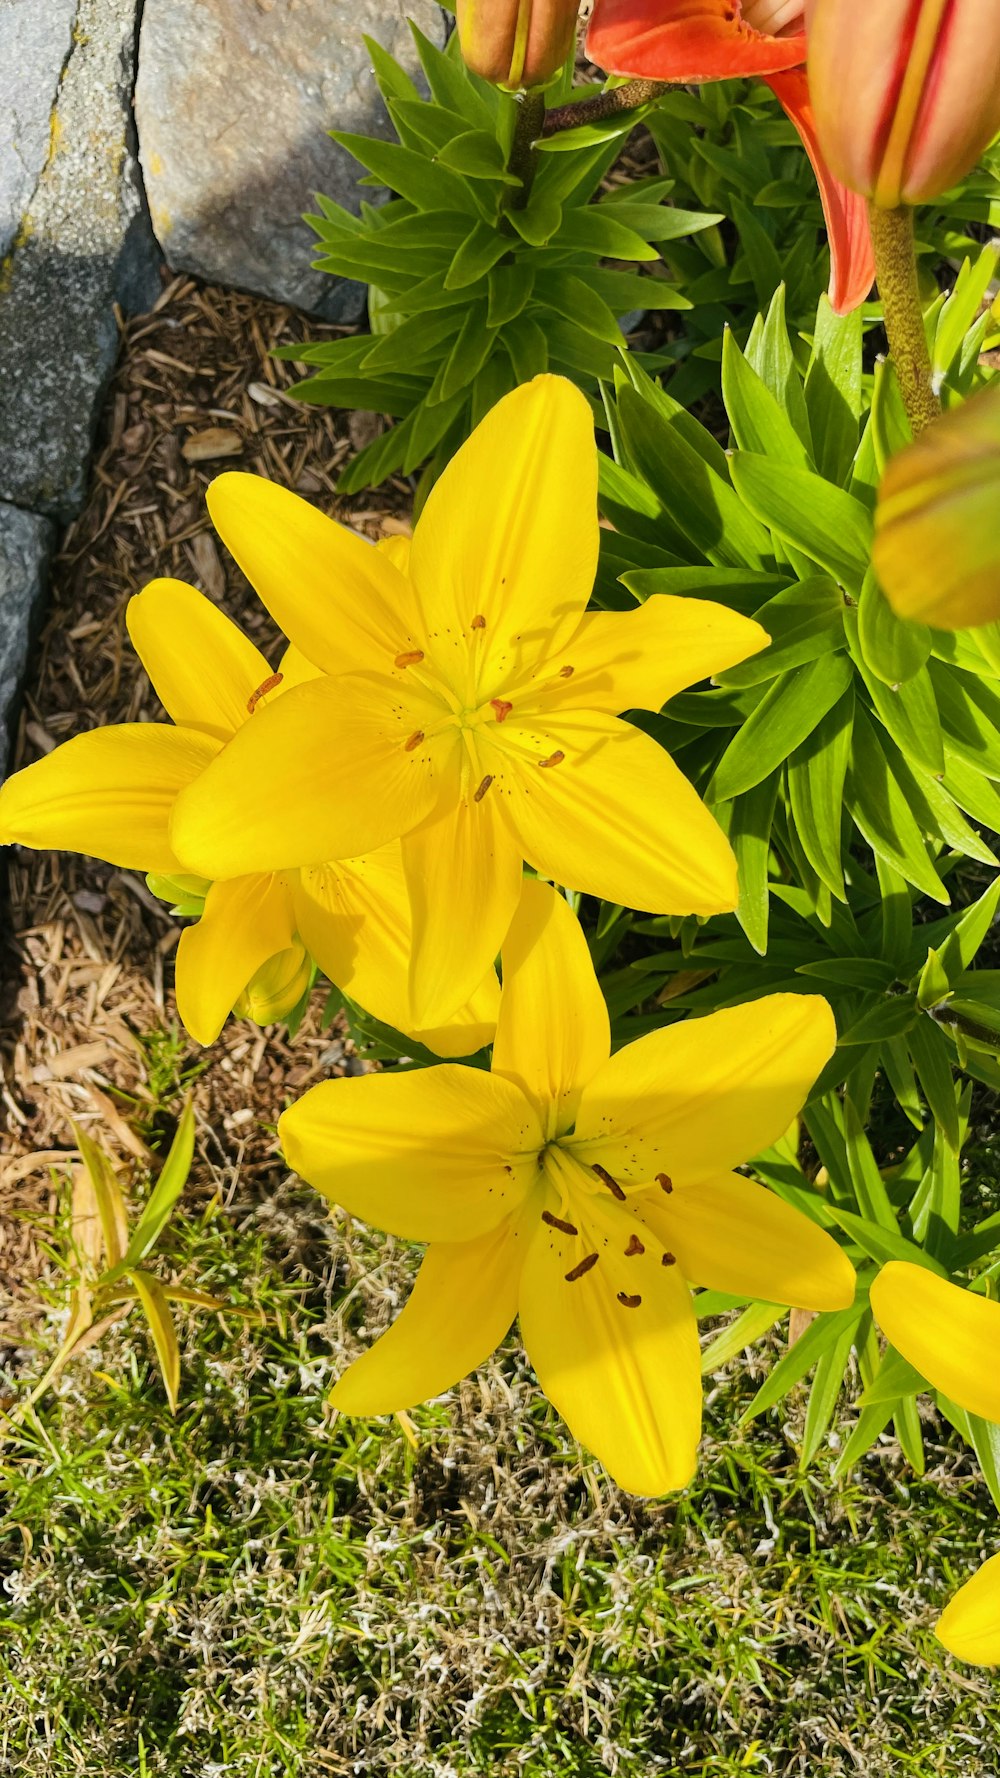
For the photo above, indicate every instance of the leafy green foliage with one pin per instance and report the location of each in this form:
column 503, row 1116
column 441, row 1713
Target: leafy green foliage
column 851, row 725
column 473, row 289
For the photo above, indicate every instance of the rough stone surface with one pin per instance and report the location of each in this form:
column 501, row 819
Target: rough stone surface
column 233, row 102
column 35, row 39
column 84, row 244
column 25, row 545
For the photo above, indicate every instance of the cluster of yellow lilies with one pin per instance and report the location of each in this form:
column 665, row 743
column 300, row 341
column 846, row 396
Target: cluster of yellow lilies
column 447, row 711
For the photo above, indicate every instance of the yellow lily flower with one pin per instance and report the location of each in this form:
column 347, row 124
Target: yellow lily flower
column 469, row 704
column 110, row 793
column 582, row 1191
column 950, row 1336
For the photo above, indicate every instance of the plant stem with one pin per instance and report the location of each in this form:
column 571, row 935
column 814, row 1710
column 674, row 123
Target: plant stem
column 896, row 270
column 621, row 98
column 529, row 120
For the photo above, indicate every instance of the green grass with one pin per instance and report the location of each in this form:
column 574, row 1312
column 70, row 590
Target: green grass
column 252, row 1588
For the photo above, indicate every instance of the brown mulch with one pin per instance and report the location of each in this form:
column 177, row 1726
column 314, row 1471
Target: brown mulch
column 89, row 1030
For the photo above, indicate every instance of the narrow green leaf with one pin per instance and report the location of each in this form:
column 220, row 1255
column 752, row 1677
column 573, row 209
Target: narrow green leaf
column 789, row 711
column 817, row 769
column 826, row 524
column 156, row 1309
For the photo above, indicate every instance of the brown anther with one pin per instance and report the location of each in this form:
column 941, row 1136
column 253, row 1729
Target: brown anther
column 557, row 1222
column 554, row 759
column 483, row 788
column 478, row 622
column 565, row 672
column 669, row 1259
column 584, row 1266
column 634, row 1246
column 612, row 1184
column 501, row 708
column 262, row 691
column 628, row 1302
column 412, row 658
column 665, row 1182
column 414, row 740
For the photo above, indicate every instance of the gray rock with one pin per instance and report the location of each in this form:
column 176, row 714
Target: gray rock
column 84, row 244
column 35, row 39
column 233, row 102
column 25, row 545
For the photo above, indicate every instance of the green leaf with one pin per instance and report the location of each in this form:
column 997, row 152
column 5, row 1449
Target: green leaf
column 478, row 253
column 789, row 711
column 894, row 649
column 961, row 947
column 826, row 1386
column 107, row 1196
column 759, row 424
column 896, row 1378
column 602, row 232
column 833, row 390
column 160, row 1204
column 882, row 813
column 804, row 622
column 510, row 288
column 746, row 1330
column 423, row 182
column 569, row 295
column 698, row 500
column 883, row 1244
column 819, row 1337
column 540, row 221
column 881, row 1023
column 476, row 155
column 869, row 1186
column 932, row 1060
column 750, row 838
column 817, row 770
column 156, row 1309
column 527, row 348
column 826, row 524
column 769, row 353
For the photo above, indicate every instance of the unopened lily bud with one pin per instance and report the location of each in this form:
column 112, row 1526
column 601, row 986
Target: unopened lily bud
column 937, row 541
column 516, row 43
column 277, row 987
column 906, row 93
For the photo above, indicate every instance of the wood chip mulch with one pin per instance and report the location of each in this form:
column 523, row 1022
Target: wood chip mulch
column 89, row 1030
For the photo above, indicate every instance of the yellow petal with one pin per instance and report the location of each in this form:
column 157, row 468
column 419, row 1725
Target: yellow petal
column 703, row 1095
column 731, row 1234
column 612, row 816
column 354, row 917
column 440, row 1154
column 397, row 551
column 295, row 669
column 509, row 533
column 626, row 1378
column 204, row 670
column 340, row 600
column 459, row 1310
column 949, row 1334
column 969, row 1626
column 636, row 660
column 553, row 1031
column 463, row 870
column 322, row 773
column 246, row 922
column 108, row 793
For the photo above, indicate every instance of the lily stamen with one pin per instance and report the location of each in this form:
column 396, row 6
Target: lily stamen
column 559, row 1222
column 634, row 1247
column 584, row 1266
column 414, row 740
column 501, row 708
column 554, row 759
column 478, row 622
column 612, row 1184
column 411, row 659
column 628, row 1302
column 665, row 1182
column 668, row 1259
column 262, row 690
column 483, row 788
column 565, row 673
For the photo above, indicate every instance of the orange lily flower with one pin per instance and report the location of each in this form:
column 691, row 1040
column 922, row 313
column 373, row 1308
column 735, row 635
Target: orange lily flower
column 691, row 41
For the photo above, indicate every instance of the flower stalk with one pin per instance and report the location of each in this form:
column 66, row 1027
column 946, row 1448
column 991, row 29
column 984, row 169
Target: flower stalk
column 529, row 120
column 629, row 97
column 896, row 271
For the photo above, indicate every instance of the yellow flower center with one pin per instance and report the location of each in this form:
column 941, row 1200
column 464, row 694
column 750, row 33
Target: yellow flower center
column 576, row 1204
